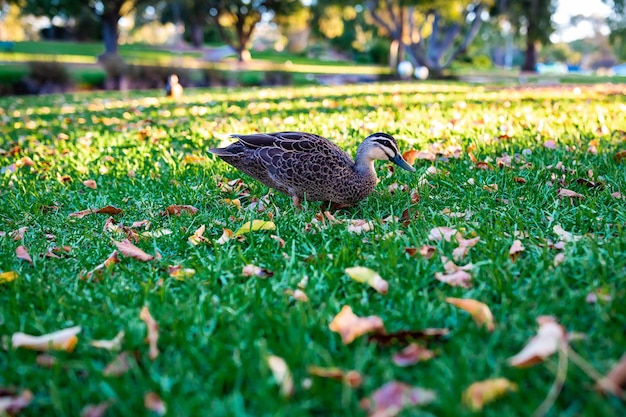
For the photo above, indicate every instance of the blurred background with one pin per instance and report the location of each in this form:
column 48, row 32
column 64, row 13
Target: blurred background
column 72, row 45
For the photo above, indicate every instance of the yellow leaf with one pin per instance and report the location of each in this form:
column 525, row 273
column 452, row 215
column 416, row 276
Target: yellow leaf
column 369, row 277
column 254, row 225
column 8, row 276
column 479, row 311
column 480, row 393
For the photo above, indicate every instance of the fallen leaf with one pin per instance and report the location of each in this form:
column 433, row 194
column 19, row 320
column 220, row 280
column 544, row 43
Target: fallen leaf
column 118, row 366
column 549, row 337
column 11, row 404
column 519, row 180
column 564, row 192
column 615, row 381
column 110, row 210
column 550, row 144
column 255, row 271
column 480, row 312
column 442, row 233
column 226, row 236
column 19, row 233
column 22, row 254
column 618, row 195
column 132, row 251
column 297, row 294
column 96, row 273
column 369, row 277
column 82, row 213
column 620, row 156
column 177, row 210
column 390, row 399
column 180, row 273
column 351, row 378
column 484, row 392
column 65, row 339
column 412, row 354
column 492, row 188
column 153, row 402
column 90, row 184
column 350, row 326
column 197, row 237
column 153, row 332
column 97, row 410
column 516, row 249
column 114, row 344
column 6, row 277
column 565, row 236
column 404, row 336
column 253, row 226
column 141, row 223
column 359, row 226
column 458, row 278
column 410, row 156
column 45, row 360
column 282, row 374
column 559, row 258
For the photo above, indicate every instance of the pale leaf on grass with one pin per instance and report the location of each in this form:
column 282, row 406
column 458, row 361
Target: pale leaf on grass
column 350, row 326
column 412, row 354
column 297, row 294
column 559, row 258
column 615, row 381
column 360, row 226
column 427, row 251
column 565, row 236
column 132, row 251
column 118, row 366
column 442, row 233
column 114, row 344
column 484, row 392
column 153, row 332
column 351, row 378
column 90, row 184
column 198, row 237
column 96, row 410
column 458, row 278
column 8, row 276
column 11, row 404
column 22, row 254
column 564, row 192
column 153, row 402
column 18, row 234
column 65, row 339
column 515, row 249
column 369, row 277
column 227, row 234
column 282, row 374
column 251, row 270
column 390, row 399
column 549, row 337
column 253, row 226
column 550, row 144
column 480, row 312
column 96, row 273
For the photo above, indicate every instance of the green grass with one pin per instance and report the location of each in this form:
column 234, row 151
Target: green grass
column 217, row 327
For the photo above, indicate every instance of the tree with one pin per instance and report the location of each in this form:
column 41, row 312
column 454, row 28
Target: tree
column 617, row 24
column 236, row 19
column 432, row 32
column 194, row 14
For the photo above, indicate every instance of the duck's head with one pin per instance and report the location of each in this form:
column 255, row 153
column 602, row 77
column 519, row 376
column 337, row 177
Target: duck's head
column 383, row 147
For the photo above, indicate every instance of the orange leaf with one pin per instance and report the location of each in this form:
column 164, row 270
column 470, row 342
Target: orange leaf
column 197, row 237
column 351, row 378
column 22, row 254
column 480, row 393
column 549, row 337
column 480, row 312
column 412, row 354
column 177, row 210
column 132, row 251
column 90, row 184
column 620, row 156
column 153, row 332
column 350, row 326
column 410, row 156
column 19, row 233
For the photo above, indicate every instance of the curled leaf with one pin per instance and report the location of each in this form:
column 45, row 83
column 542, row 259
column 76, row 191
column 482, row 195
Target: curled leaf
column 412, row 354
column 132, row 251
column 441, row 233
column 22, row 254
column 351, row 378
column 90, row 184
column 96, row 273
column 350, row 326
column 114, row 344
column 516, row 249
column 97, row 410
column 369, row 277
column 282, row 374
column 65, row 339
column 565, row 236
column 255, row 225
column 484, row 392
column 390, row 399
column 480, row 312
column 226, row 236
column 198, row 237
column 153, row 332
column 458, row 278
column 549, row 337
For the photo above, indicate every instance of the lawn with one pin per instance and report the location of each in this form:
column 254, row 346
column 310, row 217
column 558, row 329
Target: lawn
column 536, row 164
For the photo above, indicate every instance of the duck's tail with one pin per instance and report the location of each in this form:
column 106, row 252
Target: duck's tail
column 221, row 152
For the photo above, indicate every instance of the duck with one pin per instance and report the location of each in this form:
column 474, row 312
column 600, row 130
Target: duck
column 172, row 87
column 310, row 167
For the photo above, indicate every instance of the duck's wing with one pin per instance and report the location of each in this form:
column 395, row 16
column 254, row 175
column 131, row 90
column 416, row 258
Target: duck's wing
column 287, row 141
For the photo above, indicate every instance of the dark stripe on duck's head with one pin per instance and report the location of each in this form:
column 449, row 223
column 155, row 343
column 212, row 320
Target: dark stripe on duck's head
column 384, row 139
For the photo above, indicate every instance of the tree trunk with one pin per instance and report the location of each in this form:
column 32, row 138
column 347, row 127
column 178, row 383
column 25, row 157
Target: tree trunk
column 530, row 57
column 197, row 35
column 110, row 34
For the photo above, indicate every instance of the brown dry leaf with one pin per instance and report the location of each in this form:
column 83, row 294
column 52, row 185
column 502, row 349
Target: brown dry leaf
column 549, row 337
column 22, row 254
column 114, row 344
column 390, row 399
column 360, row 226
column 282, row 374
column 65, row 339
column 118, row 366
column 550, row 144
column 82, row 213
column 519, row 180
column 132, row 251
column 198, row 237
column 615, row 381
column 153, row 402
column 226, row 236
column 350, row 326
column 19, row 233
column 90, row 184
column 153, row 332
column 11, row 404
column 177, row 210
column 620, row 156
column 97, row 410
column 480, row 312
column 180, row 273
column 412, row 354
column 351, row 378
column 516, row 249
column 8, row 276
column 492, row 188
column 484, row 392
column 404, row 336
column 442, row 233
column 565, row 236
column 110, row 210
column 369, row 277
column 458, row 278
column 96, row 273
column 564, row 192
column 256, row 271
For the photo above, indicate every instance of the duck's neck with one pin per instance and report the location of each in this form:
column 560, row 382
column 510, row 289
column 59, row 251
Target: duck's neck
column 363, row 163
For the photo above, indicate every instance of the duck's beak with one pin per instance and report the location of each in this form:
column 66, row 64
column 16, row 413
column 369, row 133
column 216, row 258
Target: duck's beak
column 399, row 160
